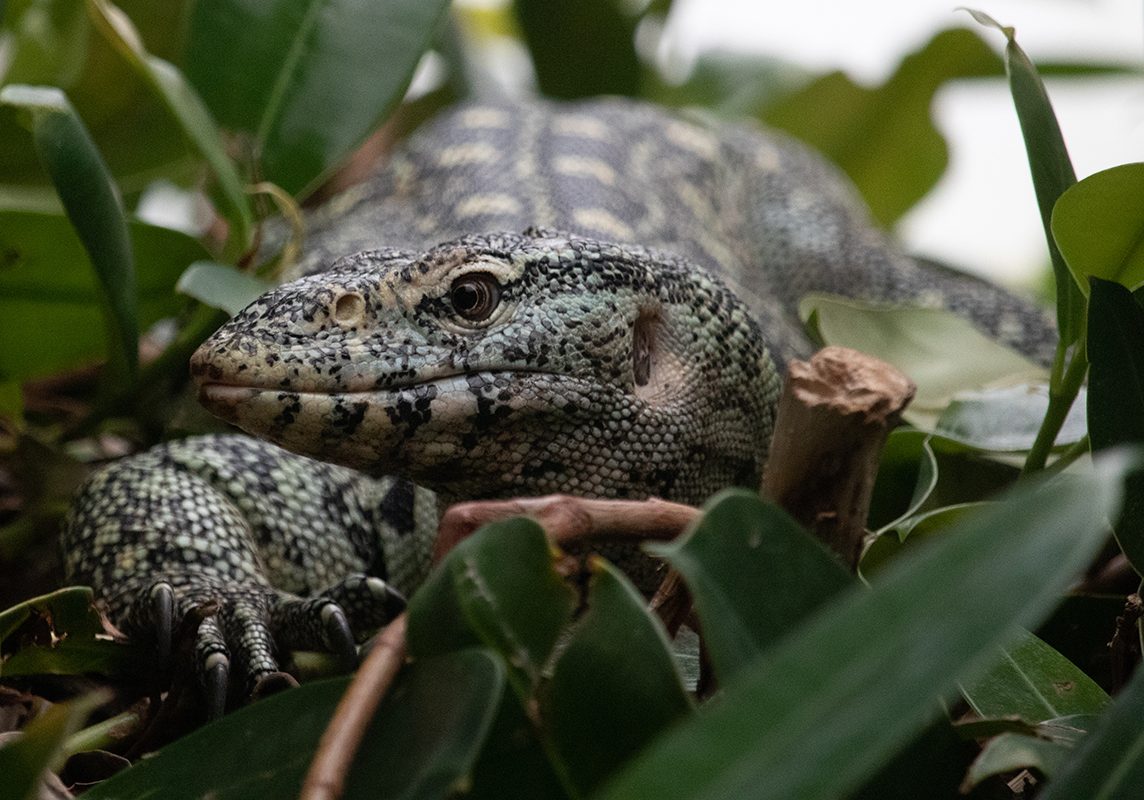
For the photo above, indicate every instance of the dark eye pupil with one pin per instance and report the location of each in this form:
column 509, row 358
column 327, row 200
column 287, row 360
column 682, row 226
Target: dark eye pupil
column 466, row 296
column 475, row 296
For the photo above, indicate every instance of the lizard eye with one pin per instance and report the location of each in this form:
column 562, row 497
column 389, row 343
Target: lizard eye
column 475, row 295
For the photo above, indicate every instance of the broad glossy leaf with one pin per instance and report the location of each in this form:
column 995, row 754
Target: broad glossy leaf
column 1109, row 762
column 188, row 110
column 514, row 761
column 61, row 639
column 866, row 668
column 940, row 351
column 1006, row 419
column 1099, row 226
column 581, row 48
column 754, row 575
column 221, row 286
column 497, row 588
column 1116, row 394
column 884, row 138
column 1049, row 164
column 892, row 541
column 423, row 740
column 1011, row 752
column 614, row 686
column 50, row 316
column 92, row 203
column 907, row 474
column 309, row 80
column 1034, row 682
column 75, row 656
column 68, row 610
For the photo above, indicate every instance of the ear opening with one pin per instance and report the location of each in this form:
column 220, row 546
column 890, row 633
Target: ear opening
column 651, row 372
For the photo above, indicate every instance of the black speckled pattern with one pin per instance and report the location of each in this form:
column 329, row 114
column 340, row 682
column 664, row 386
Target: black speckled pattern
column 649, row 268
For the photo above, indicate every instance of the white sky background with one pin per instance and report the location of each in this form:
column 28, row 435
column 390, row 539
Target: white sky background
column 983, row 214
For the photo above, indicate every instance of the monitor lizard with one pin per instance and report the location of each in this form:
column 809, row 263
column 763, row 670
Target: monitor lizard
column 593, row 298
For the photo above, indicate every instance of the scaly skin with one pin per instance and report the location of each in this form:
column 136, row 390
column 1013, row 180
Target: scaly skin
column 370, row 365
column 636, row 353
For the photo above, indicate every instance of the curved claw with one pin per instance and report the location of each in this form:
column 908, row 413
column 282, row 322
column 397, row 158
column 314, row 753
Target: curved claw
column 216, row 679
column 162, row 597
column 395, row 601
column 368, row 602
column 339, row 635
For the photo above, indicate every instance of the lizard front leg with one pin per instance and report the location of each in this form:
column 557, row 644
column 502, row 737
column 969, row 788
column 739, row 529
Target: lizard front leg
column 291, row 553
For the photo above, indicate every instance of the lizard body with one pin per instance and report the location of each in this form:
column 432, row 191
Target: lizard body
column 594, row 299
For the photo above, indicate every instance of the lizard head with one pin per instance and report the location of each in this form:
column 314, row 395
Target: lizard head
column 505, row 365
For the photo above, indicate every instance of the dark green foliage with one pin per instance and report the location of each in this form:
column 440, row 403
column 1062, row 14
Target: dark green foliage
column 581, row 48
column 519, row 688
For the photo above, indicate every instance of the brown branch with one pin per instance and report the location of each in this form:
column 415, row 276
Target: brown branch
column 567, row 518
column 327, row 775
column 832, row 422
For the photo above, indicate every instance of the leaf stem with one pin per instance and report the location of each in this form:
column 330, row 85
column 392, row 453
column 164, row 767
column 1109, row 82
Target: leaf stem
column 1062, row 394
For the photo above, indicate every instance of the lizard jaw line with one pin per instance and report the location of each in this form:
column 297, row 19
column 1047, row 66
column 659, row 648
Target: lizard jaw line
column 224, row 399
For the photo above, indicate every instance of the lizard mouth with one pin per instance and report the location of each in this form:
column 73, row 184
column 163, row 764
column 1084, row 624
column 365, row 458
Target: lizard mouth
column 401, row 429
column 267, row 410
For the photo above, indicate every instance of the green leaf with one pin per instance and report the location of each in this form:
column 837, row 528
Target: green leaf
column 885, row 138
column 309, row 80
column 1099, row 226
column 92, row 203
column 63, row 635
column 50, row 312
column 867, row 668
column 1006, row 419
column 1109, row 762
column 498, row 588
column 188, row 110
column 891, row 542
column 66, row 611
column 615, row 686
column 514, row 761
column 753, row 573
column 907, row 475
column 221, row 286
column 1116, row 395
column 581, row 48
column 421, row 744
column 40, row 748
column 44, row 43
column 1010, row 752
column 1049, row 164
column 940, row 351
column 1034, row 682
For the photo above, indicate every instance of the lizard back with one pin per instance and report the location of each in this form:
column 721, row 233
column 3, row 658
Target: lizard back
column 755, row 208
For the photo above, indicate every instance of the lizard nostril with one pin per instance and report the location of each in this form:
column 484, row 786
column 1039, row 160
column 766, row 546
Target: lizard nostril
column 349, row 308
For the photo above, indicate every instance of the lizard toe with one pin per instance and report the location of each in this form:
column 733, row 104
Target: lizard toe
column 368, row 602
column 246, row 626
column 317, row 623
column 212, row 659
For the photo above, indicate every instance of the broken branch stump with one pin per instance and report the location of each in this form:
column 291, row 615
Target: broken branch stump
column 832, row 421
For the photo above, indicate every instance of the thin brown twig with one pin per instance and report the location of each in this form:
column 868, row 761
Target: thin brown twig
column 327, row 775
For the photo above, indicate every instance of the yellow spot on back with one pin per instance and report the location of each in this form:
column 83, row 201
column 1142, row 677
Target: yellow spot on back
column 469, row 153
column 597, row 219
column 479, row 204
column 577, row 125
column 692, row 138
column 585, row 167
column 484, row 118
